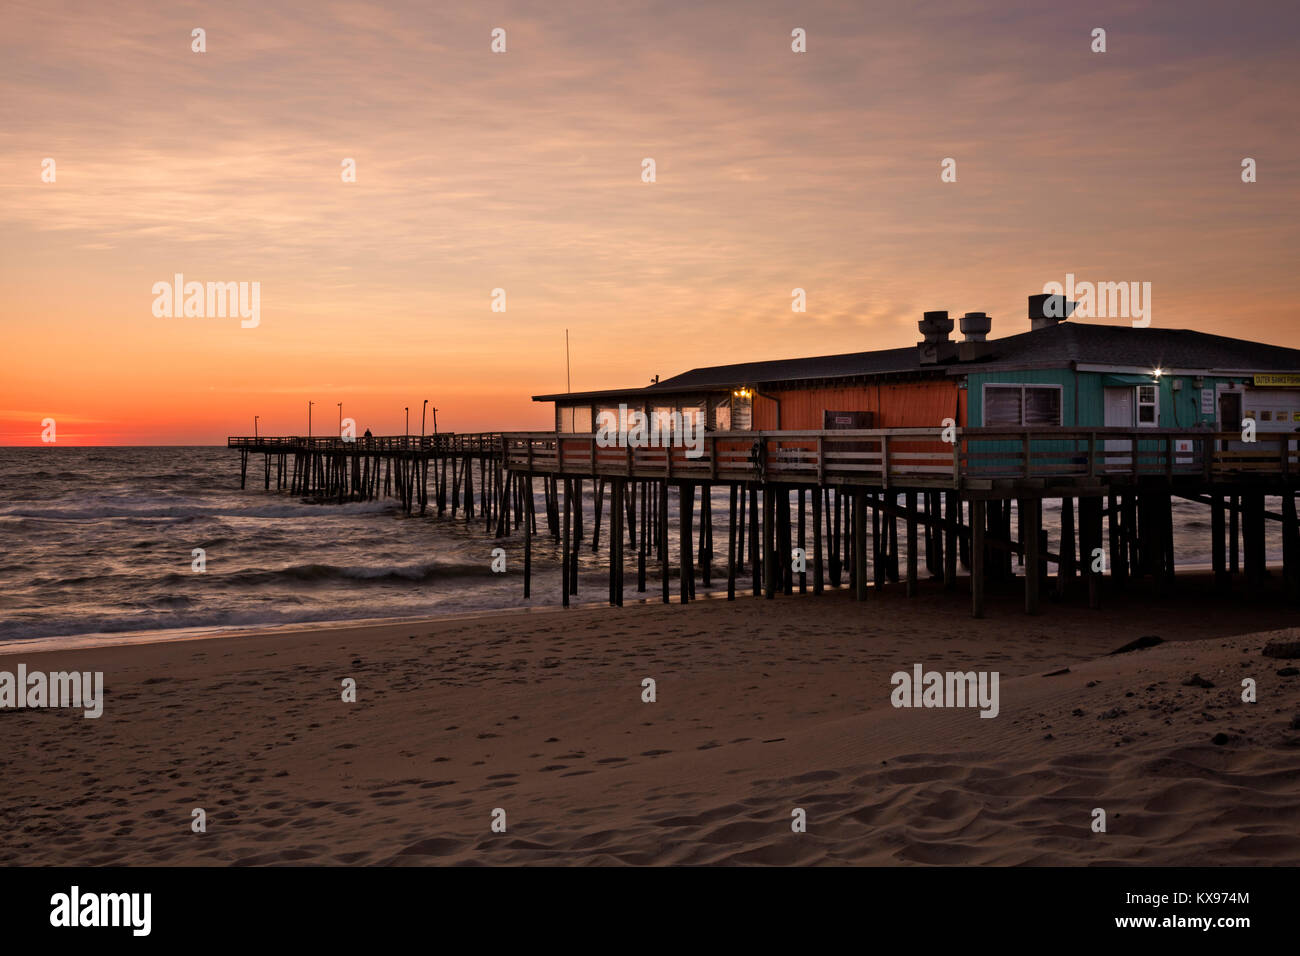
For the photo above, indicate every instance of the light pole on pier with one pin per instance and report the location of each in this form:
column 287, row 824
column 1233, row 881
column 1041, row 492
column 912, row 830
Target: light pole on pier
column 309, row 405
column 255, row 418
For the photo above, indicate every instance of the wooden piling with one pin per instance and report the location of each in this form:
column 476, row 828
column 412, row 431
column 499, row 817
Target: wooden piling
column 663, row 538
column 686, row 560
column 528, row 537
column 564, row 548
column 819, row 582
column 860, row 545
column 953, row 511
column 833, row 533
column 977, row 557
column 731, row 542
column 911, row 545
column 1032, row 517
column 772, row 571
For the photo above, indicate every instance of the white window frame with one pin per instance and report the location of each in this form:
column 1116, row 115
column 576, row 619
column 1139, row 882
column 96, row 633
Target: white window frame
column 1138, row 405
column 1060, row 405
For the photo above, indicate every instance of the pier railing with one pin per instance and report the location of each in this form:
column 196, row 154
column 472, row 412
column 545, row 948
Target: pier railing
column 446, row 443
column 919, row 457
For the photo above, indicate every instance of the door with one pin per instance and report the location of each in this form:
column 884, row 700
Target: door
column 1230, row 414
column 1119, row 414
column 1230, row 411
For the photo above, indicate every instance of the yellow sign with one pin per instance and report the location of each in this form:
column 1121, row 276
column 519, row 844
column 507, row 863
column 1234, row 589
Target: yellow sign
column 1278, row 380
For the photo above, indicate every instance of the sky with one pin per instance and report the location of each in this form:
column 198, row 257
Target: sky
column 523, row 171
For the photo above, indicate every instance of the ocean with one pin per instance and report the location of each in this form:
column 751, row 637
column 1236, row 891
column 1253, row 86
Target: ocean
column 100, row 541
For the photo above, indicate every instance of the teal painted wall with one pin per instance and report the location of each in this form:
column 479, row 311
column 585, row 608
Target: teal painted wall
column 1083, row 406
column 975, row 383
column 1052, row 376
column 1083, row 396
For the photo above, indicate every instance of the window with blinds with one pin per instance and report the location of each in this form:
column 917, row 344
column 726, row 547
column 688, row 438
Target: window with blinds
column 742, row 414
column 661, row 419
column 610, row 419
column 1042, row 405
column 1022, row 405
column 722, row 415
column 1001, row 405
column 575, row 419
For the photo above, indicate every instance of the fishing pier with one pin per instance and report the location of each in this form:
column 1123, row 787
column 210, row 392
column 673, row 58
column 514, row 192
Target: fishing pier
column 827, row 508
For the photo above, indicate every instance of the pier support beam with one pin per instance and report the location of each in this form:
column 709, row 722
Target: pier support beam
column 731, row 545
column 686, row 560
column 977, row 557
column 772, row 572
column 860, row 545
column 564, row 548
column 528, row 536
column 1031, row 516
column 663, row 538
column 1252, row 504
column 801, row 536
column 953, row 510
column 1290, row 546
column 833, row 533
column 911, row 544
column 819, row 582
column 644, row 537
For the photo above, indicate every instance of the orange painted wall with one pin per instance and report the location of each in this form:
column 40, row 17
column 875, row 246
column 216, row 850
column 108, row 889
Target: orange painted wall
column 902, row 405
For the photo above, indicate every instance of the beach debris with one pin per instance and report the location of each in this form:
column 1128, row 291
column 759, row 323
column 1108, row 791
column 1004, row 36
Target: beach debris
column 1063, row 670
column 1149, row 640
column 1112, row 713
column 1288, row 672
column 1287, row 649
column 1196, row 680
column 1219, row 739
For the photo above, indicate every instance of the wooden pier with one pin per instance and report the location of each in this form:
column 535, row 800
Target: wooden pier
column 951, row 489
column 364, row 469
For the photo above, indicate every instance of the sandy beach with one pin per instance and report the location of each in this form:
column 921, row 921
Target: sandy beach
column 761, row 707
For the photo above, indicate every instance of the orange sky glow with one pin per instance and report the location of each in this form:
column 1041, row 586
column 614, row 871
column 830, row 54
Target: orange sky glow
column 522, row 171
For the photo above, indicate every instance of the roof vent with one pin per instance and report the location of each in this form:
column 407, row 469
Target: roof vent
column 937, row 347
column 1046, row 311
column 975, row 326
column 935, row 326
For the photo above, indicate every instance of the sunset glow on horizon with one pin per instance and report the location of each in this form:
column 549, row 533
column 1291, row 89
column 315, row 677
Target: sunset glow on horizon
column 522, row 171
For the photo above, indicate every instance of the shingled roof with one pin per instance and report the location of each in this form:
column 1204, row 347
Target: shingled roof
column 1054, row 347
column 1147, row 348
